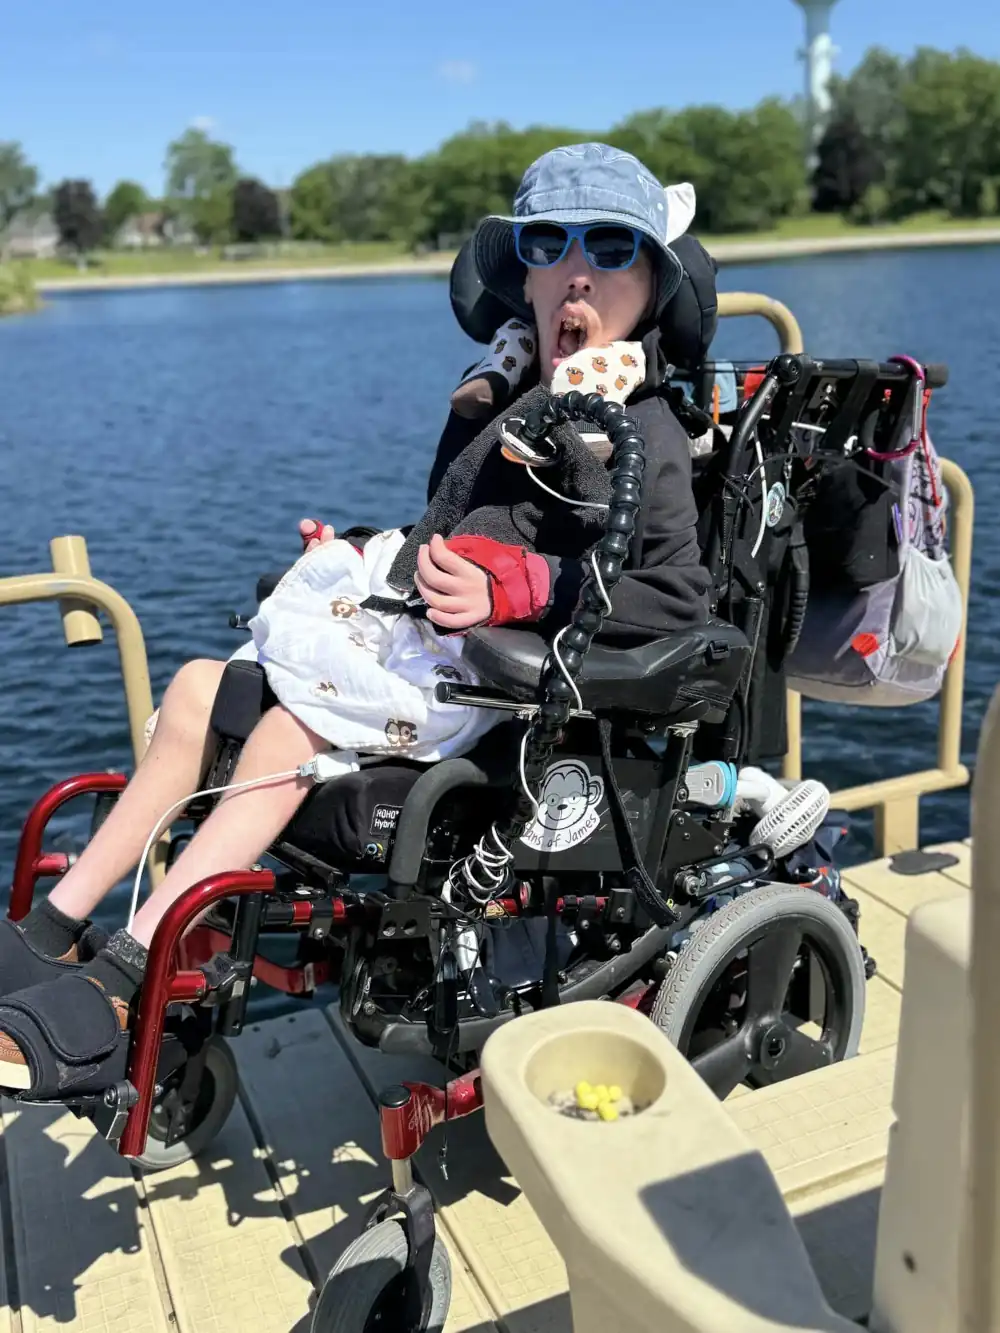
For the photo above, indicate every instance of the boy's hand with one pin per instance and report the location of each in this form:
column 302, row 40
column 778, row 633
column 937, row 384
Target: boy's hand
column 313, row 532
column 456, row 591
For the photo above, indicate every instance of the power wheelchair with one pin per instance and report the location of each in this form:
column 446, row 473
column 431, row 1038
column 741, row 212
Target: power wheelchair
column 621, row 881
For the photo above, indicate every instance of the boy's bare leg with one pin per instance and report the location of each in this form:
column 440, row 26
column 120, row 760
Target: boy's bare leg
column 244, row 823
column 172, row 768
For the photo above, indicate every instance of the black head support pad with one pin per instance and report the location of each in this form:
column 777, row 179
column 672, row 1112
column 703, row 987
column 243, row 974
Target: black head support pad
column 687, row 325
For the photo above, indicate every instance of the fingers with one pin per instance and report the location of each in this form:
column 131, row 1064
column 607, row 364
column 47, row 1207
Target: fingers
column 455, row 619
column 445, row 558
column 432, row 576
column 313, row 532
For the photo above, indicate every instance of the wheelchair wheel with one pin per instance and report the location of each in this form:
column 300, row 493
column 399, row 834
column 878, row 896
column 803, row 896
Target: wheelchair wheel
column 364, row 1291
column 217, row 1092
column 769, row 987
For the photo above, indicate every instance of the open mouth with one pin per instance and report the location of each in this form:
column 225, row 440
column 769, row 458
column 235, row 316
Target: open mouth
column 572, row 334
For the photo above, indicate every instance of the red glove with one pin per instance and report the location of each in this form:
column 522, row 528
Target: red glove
column 519, row 580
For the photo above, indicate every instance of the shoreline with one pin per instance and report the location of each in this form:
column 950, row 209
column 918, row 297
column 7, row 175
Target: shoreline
column 727, row 252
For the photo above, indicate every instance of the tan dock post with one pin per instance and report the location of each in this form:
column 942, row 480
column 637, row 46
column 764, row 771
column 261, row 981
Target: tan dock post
column 80, row 623
column 980, row 1252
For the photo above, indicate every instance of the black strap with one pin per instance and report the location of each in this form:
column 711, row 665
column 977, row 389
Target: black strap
column 657, row 908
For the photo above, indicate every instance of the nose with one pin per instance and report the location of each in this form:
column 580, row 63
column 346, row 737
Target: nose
column 577, row 273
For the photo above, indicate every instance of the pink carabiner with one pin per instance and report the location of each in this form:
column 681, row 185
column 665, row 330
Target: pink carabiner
column 919, row 416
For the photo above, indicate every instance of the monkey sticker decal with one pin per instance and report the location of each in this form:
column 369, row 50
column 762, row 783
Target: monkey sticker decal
column 567, row 808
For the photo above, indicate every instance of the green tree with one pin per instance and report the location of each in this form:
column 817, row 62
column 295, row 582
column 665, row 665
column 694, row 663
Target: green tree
column 746, row 166
column 311, row 205
column 477, row 172
column 350, row 198
column 847, row 166
column 950, row 150
column 201, row 174
column 77, row 214
column 127, row 200
column 18, row 181
column 872, row 95
column 256, row 213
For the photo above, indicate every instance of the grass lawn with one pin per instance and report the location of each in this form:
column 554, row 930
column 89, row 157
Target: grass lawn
column 133, row 263
column 166, row 261
column 820, row 226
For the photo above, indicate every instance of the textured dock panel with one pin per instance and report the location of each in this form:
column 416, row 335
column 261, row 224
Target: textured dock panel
column 825, row 1126
column 230, row 1257
column 902, row 893
column 320, row 1129
column 80, row 1237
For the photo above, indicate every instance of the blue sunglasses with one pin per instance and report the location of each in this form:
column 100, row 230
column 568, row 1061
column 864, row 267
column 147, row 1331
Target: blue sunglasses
column 605, row 245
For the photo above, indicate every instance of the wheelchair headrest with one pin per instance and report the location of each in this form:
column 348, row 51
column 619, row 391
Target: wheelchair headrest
column 687, row 325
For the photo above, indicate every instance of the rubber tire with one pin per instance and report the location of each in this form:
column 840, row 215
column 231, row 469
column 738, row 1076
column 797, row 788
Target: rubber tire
column 363, row 1272
column 219, row 1059
column 718, row 935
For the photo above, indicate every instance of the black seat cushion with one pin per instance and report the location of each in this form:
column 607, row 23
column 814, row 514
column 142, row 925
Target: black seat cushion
column 691, row 672
column 350, row 823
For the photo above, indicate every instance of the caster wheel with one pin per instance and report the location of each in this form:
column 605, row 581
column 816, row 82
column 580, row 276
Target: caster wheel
column 769, row 987
column 365, row 1292
column 216, row 1096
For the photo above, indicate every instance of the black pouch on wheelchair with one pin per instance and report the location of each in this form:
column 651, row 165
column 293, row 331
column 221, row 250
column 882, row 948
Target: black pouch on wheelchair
column 850, row 531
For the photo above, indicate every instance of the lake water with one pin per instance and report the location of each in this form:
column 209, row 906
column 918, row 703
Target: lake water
column 184, row 432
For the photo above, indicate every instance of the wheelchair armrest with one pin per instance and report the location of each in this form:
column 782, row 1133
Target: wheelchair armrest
column 702, row 663
column 267, row 583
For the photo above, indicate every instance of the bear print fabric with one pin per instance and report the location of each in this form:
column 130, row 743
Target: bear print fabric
column 361, row 680
column 615, row 370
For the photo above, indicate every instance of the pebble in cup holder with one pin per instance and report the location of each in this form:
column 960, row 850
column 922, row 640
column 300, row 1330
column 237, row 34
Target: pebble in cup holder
column 577, row 1073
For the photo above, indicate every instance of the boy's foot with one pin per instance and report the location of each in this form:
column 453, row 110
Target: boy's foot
column 46, row 944
column 69, row 1034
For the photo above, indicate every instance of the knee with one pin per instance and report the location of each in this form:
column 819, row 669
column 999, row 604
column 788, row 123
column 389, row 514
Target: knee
column 190, row 695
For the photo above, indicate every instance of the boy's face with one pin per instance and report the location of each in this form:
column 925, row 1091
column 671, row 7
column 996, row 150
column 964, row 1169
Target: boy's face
column 578, row 306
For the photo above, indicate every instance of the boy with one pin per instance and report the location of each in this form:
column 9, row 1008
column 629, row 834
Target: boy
column 585, row 266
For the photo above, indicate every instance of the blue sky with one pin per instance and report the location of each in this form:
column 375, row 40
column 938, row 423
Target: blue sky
column 99, row 90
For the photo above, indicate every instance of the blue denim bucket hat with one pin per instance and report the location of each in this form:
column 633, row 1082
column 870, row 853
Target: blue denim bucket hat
column 578, row 185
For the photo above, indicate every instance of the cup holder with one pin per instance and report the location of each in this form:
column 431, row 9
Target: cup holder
column 596, row 1058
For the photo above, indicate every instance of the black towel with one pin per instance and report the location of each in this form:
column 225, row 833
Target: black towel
column 485, row 494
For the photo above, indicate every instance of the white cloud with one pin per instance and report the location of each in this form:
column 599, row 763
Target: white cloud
column 457, row 71
column 204, row 123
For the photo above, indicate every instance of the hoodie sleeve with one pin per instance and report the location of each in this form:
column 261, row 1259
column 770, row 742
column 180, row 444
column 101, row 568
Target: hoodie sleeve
column 458, row 432
column 665, row 586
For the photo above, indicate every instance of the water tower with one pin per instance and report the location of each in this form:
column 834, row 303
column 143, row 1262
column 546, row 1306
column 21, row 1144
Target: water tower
column 817, row 55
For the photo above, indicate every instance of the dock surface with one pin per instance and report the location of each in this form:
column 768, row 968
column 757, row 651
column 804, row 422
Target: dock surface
column 240, row 1239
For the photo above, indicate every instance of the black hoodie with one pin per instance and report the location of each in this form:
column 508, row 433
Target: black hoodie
column 665, row 585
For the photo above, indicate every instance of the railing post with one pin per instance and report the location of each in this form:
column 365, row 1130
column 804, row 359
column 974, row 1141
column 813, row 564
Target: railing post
column 80, row 596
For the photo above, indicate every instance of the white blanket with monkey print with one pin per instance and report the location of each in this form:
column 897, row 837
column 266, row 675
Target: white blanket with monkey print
column 362, row 680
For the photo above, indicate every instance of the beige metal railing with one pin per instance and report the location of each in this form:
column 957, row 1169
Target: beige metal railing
column 896, row 801
column 80, row 597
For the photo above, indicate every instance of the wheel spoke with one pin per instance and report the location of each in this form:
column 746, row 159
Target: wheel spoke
column 725, row 1066
column 769, row 968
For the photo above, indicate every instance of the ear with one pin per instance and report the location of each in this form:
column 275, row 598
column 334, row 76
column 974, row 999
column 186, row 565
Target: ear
column 681, row 201
column 595, row 791
column 527, row 287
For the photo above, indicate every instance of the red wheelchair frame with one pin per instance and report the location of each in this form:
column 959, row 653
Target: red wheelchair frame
column 175, row 975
